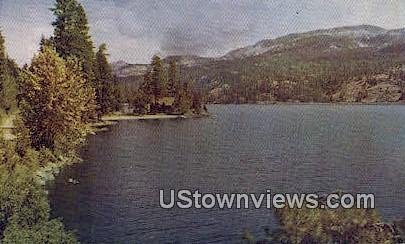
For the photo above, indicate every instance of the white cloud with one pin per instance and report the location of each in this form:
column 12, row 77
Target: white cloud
column 135, row 30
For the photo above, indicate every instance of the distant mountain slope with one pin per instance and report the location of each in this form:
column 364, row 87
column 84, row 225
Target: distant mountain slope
column 343, row 37
column 123, row 69
column 314, row 65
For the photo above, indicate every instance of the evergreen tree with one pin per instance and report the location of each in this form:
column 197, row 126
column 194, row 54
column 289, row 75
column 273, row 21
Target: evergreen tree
column 55, row 102
column 156, row 78
column 8, row 74
column 104, row 86
column 146, row 88
column 45, row 42
column 197, row 102
column 2, row 52
column 2, row 63
column 116, row 94
column 172, row 79
column 71, row 35
column 183, row 100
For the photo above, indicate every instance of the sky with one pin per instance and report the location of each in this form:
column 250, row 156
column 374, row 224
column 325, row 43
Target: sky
column 135, row 30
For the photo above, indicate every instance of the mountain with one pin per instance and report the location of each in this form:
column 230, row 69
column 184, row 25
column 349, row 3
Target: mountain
column 360, row 34
column 123, row 69
column 318, row 66
column 364, row 36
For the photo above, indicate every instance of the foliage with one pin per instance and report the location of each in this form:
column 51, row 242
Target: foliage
column 307, row 70
column 183, row 100
column 140, row 102
column 55, row 102
column 106, row 91
column 23, row 139
column 163, row 91
column 2, row 63
column 309, row 225
column 156, row 78
column 197, row 102
column 72, row 40
column 172, row 79
column 8, row 75
column 51, row 232
column 24, row 208
column 23, row 203
column 45, row 42
column 71, row 36
column 331, row 226
column 8, row 93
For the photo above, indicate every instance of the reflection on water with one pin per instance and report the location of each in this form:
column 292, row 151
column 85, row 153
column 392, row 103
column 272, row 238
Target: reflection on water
column 249, row 148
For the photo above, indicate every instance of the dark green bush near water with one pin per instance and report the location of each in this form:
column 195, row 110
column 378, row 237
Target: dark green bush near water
column 345, row 226
column 24, row 207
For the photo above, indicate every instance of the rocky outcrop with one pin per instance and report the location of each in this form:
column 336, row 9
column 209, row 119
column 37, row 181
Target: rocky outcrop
column 374, row 90
column 383, row 92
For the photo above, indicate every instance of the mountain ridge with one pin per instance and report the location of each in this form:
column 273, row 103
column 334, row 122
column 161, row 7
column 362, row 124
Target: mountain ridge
column 310, row 66
column 343, row 30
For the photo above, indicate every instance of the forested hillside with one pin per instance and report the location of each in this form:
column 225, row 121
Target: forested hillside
column 347, row 64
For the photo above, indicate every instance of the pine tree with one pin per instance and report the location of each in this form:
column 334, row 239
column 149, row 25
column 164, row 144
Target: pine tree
column 45, row 42
column 104, row 82
column 55, row 102
column 2, row 50
column 2, row 63
column 172, row 79
column 8, row 74
column 146, row 88
column 71, row 35
column 156, row 78
column 183, row 100
column 197, row 102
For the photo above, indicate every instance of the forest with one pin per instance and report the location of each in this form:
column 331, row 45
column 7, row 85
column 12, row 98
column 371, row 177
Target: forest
column 321, row 66
column 52, row 102
column 163, row 92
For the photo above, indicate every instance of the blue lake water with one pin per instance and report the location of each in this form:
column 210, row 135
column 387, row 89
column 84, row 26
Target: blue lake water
column 241, row 148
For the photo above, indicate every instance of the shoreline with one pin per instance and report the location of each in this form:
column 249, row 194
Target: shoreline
column 316, row 103
column 123, row 117
column 48, row 173
column 114, row 118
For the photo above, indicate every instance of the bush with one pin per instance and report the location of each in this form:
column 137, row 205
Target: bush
column 24, row 207
column 51, row 232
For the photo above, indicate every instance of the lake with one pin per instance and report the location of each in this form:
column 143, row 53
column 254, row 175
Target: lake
column 241, row 148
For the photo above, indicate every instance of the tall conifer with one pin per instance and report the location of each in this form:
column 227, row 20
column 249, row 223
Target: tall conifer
column 156, row 78
column 172, row 79
column 3, row 62
column 104, row 82
column 71, row 35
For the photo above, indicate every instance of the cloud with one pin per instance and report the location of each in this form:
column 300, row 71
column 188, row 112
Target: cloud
column 22, row 23
column 136, row 30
